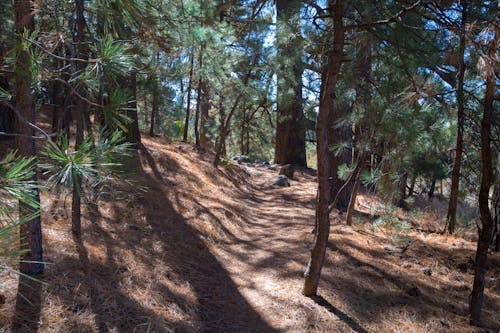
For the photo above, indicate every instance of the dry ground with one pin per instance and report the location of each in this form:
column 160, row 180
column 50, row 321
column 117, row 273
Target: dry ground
column 188, row 248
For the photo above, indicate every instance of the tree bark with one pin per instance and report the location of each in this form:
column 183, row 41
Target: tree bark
column 198, row 100
column 188, row 107
column 329, row 80
column 154, row 108
column 432, row 188
column 290, row 129
column 403, row 179
column 133, row 132
column 455, row 174
column 412, row 184
column 355, row 189
column 204, row 115
column 6, row 115
column 486, row 230
column 31, row 230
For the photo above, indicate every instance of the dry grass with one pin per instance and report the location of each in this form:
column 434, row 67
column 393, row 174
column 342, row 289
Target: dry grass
column 204, row 250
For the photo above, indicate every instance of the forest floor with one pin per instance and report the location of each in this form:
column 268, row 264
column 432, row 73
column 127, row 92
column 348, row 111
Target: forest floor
column 189, row 248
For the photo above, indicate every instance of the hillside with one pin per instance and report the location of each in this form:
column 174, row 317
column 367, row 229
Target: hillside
column 190, row 248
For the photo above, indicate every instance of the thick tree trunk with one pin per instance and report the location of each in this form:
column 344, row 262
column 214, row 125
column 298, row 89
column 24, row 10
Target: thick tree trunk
column 290, row 145
column 455, row 174
column 329, row 80
column 188, row 107
column 31, row 230
column 486, row 230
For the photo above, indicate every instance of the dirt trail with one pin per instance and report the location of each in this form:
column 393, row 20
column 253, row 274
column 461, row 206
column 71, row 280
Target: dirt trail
column 200, row 249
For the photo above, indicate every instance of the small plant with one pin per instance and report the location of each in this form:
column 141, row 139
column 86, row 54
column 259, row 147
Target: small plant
column 87, row 171
column 392, row 226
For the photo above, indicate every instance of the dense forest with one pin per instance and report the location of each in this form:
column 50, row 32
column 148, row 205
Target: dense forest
column 249, row 166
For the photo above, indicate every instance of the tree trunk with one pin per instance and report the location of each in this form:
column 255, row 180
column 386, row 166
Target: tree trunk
column 412, row 184
column 133, row 132
column 455, row 174
column 242, row 132
column 188, row 107
column 154, row 108
column 357, row 182
column 31, row 230
column 6, row 115
column 495, row 208
column 432, row 188
column 198, row 100
column 80, row 117
column 329, row 80
column 204, row 115
column 403, row 179
column 486, row 230
column 290, row 145
column 222, row 133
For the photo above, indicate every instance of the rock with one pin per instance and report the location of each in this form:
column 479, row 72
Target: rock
column 287, row 170
column 250, row 165
column 282, row 180
column 241, row 159
column 272, row 167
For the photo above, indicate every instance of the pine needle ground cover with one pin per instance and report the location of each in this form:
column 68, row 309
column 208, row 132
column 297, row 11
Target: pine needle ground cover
column 198, row 249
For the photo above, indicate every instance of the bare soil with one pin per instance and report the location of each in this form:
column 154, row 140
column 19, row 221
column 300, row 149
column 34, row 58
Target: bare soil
column 190, row 248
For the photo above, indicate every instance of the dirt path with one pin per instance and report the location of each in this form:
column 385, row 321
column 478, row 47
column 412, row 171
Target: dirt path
column 367, row 284
column 268, row 259
column 210, row 250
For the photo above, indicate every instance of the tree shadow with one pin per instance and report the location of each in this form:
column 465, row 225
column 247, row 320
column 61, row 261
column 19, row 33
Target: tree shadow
column 353, row 324
column 28, row 305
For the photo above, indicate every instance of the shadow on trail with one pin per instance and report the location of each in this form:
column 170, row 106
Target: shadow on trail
column 355, row 326
column 221, row 307
column 28, row 305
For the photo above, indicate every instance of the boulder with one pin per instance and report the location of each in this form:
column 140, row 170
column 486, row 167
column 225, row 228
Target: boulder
column 241, row 159
column 287, row 170
column 282, row 180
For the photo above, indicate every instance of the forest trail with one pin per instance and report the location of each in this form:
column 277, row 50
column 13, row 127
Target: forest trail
column 189, row 248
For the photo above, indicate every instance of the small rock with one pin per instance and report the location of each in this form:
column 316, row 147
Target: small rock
column 282, row 180
column 287, row 170
column 241, row 159
column 272, row 167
